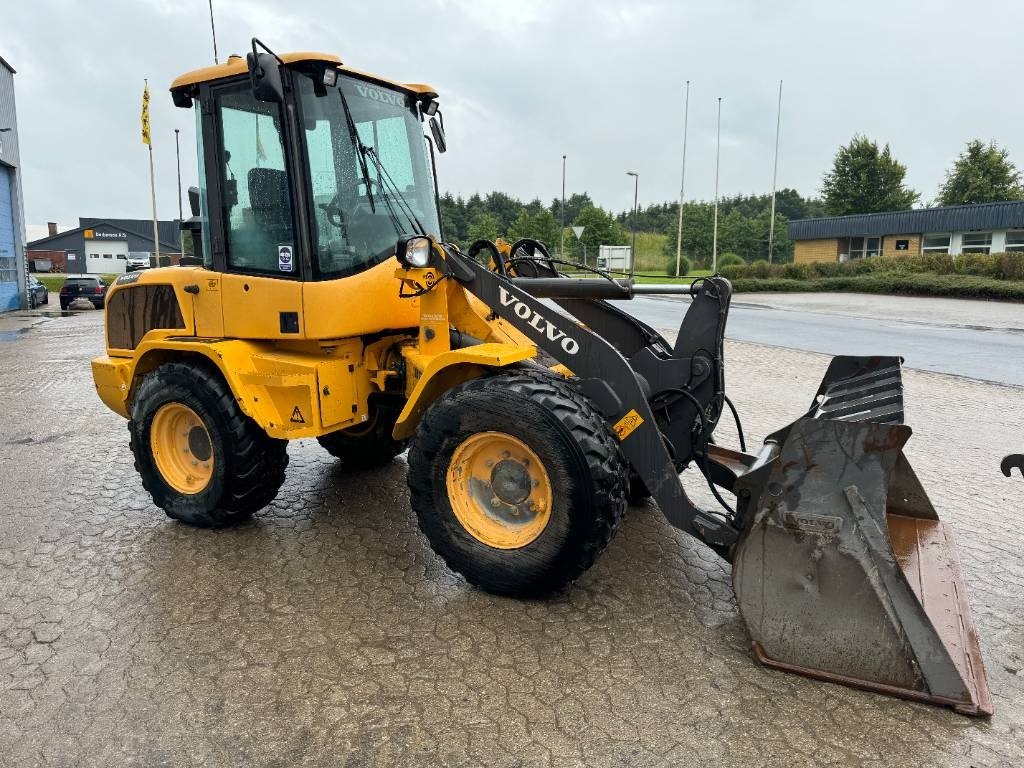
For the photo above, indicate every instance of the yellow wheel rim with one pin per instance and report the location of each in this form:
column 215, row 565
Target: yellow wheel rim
column 499, row 490
column 181, row 448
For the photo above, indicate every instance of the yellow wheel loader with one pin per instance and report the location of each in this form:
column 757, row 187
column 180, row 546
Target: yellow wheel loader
column 323, row 302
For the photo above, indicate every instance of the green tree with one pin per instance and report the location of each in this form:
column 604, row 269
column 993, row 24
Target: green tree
column 574, row 205
column 982, row 174
column 599, row 228
column 504, row 207
column 865, row 179
column 539, row 225
column 698, row 223
column 453, row 218
column 483, row 226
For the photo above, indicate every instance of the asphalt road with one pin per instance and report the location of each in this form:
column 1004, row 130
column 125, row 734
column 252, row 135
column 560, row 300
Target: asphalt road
column 988, row 354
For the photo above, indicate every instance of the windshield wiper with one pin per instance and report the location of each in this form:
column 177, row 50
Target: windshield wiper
column 357, row 143
column 385, row 177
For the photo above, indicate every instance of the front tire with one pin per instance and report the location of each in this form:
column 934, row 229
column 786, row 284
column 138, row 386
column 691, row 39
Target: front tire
column 517, row 482
column 202, row 460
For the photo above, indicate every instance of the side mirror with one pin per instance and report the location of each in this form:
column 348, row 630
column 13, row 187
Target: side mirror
column 264, row 75
column 438, row 133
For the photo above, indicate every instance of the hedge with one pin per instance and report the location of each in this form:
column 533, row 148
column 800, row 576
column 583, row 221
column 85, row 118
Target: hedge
column 997, row 266
column 910, row 284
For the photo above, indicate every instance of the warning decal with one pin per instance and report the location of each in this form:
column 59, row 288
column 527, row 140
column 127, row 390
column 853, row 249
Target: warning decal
column 297, row 416
column 624, row 427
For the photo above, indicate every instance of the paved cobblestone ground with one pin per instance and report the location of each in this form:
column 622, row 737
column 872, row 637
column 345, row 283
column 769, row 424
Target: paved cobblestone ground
column 326, row 632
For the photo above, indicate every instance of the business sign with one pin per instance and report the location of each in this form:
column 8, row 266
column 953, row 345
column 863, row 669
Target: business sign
column 95, row 234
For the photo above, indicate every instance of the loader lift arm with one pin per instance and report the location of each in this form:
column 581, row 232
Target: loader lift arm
column 828, row 509
column 676, row 379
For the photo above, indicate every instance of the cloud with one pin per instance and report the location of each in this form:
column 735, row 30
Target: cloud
column 524, row 83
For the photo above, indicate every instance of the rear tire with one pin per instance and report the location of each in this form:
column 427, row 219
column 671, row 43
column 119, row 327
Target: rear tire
column 239, row 467
column 535, row 415
column 369, row 444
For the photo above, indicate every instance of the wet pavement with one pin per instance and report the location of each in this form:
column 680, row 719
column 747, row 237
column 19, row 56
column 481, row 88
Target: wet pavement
column 982, row 340
column 325, row 632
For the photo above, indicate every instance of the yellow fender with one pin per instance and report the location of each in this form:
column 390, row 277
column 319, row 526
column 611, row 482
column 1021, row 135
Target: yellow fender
column 444, row 371
column 289, row 394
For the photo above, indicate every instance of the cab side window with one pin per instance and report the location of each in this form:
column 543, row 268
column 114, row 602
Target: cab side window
column 257, row 202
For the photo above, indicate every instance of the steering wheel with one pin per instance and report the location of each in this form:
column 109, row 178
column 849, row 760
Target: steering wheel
column 334, row 213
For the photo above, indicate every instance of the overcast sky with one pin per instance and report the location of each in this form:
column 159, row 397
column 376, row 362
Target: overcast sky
column 524, row 81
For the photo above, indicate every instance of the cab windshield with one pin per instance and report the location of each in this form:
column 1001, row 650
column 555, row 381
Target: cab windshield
column 369, row 191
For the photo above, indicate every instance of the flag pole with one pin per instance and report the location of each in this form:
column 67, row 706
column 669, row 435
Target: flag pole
column 682, row 181
column 718, row 154
column 775, row 174
column 148, row 141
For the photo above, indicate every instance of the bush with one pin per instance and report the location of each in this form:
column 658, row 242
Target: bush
column 910, row 284
column 1009, row 266
column 761, row 269
column 796, row 271
column 730, row 260
column 684, row 266
column 900, row 270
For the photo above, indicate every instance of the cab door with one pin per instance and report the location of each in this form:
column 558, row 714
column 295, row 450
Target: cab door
column 261, row 287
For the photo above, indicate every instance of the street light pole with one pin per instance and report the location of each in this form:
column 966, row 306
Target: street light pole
column 561, row 250
column 632, row 249
column 718, row 154
column 682, row 181
column 181, row 232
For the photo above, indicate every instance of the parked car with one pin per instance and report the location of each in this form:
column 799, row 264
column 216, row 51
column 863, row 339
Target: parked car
column 91, row 288
column 37, row 293
column 136, row 263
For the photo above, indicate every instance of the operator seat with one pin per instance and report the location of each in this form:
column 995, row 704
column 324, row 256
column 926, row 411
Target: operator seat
column 271, row 213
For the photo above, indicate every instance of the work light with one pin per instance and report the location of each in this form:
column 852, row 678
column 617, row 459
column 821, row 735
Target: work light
column 414, row 251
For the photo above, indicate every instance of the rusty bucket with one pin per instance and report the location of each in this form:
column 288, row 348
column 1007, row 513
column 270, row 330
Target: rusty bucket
column 845, row 572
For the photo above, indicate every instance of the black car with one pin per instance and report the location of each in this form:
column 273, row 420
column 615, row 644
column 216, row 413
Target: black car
column 91, row 288
column 37, row 293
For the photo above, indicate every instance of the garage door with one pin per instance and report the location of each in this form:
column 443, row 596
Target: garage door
column 9, row 298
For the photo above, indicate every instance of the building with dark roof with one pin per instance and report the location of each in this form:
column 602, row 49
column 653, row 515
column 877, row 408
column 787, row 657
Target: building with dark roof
column 104, row 246
column 981, row 228
column 12, row 208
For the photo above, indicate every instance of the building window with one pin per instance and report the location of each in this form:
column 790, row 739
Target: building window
column 122, row 256
column 935, row 244
column 1015, row 240
column 107, row 256
column 976, row 242
column 865, row 247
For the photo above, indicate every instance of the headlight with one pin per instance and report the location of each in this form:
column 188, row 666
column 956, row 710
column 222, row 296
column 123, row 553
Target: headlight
column 414, row 251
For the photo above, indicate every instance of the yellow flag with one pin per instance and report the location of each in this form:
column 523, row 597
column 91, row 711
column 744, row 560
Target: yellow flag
column 145, row 114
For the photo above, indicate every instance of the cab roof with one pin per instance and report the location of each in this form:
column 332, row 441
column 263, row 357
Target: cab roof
column 236, row 65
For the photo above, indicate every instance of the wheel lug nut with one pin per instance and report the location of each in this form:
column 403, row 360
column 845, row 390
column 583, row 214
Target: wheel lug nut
column 495, row 502
column 505, row 454
column 489, row 463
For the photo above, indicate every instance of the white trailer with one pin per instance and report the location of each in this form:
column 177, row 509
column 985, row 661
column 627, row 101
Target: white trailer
column 614, row 257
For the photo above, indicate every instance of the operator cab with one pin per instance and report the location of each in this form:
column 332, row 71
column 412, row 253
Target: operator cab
column 309, row 171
